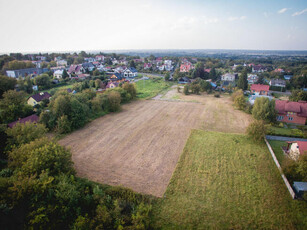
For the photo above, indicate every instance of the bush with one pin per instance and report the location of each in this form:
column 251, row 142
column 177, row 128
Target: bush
column 186, row 90
column 130, row 88
column 236, row 94
column 63, row 125
column 256, row 130
column 264, row 109
column 295, row 170
column 240, row 102
column 114, row 100
column 217, row 95
column 195, row 88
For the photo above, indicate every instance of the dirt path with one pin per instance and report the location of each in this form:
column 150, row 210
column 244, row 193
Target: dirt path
column 139, row 147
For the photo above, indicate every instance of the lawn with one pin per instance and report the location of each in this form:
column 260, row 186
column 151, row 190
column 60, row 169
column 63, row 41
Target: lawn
column 276, row 146
column 152, row 87
column 225, row 181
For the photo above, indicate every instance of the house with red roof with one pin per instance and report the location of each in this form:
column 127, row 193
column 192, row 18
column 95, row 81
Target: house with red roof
column 260, row 89
column 32, row 119
column 296, row 148
column 76, row 69
column 186, row 67
column 147, row 65
column 291, row 111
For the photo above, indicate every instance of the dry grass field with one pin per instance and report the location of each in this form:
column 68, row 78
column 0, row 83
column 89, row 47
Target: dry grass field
column 139, row 147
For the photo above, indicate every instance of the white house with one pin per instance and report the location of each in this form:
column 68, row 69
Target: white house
column 228, row 77
column 277, row 82
column 61, row 63
column 252, row 78
column 58, row 73
column 130, row 72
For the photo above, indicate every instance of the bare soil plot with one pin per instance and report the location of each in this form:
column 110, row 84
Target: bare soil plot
column 139, row 147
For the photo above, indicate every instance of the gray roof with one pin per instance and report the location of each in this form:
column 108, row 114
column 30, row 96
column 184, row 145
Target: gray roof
column 300, row 186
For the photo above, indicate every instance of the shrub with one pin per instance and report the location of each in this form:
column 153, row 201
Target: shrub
column 236, row 94
column 256, row 130
column 130, row 88
column 114, row 100
column 240, row 102
column 63, row 125
column 217, row 95
column 195, row 88
column 295, row 170
column 264, row 109
column 186, row 90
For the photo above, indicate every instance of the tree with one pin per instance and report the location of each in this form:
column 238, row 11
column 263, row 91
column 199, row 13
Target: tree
column 256, row 130
column 13, row 106
column 6, row 83
column 243, row 83
column 114, row 100
column 205, row 86
column 295, row 170
column 167, row 76
column 63, row 125
column 195, row 88
column 186, row 90
column 130, row 88
column 236, row 94
column 240, row 102
column 24, row 133
column 28, row 85
column 97, row 83
column 43, row 81
column 96, row 72
column 65, row 74
column 132, row 64
column 199, row 71
column 298, row 95
column 212, row 74
column 41, row 155
column 264, row 109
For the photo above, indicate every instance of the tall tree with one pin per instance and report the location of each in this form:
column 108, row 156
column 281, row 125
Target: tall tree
column 6, row 83
column 264, row 109
column 212, row 74
column 199, row 71
column 132, row 64
column 65, row 74
column 243, row 83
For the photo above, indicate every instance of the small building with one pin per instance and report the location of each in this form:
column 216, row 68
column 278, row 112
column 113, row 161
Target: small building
column 61, row 63
column 184, row 80
column 252, row 98
column 186, row 67
column 291, row 112
column 58, row 74
column 259, row 89
column 300, row 188
column 76, row 69
column 38, row 98
column 112, row 85
column 258, row 69
column 88, row 66
column 228, row 77
column 278, row 83
column 117, row 77
column 32, row 119
column 288, row 77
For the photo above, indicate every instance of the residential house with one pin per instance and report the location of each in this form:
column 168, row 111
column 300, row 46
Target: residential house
column 58, row 73
column 41, row 58
column 291, row 112
column 99, row 58
column 207, row 70
column 296, row 148
column 25, row 72
column 83, row 76
column 31, row 119
column 112, row 85
column 277, row 83
column 258, row 69
column 228, row 77
column 147, row 65
column 76, row 69
column 89, row 59
column 279, row 71
column 116, row 77
column 88, row 66
column 184, row 80
column 252, row 98
column 252, row 78
column 186, row 67
column 61, row 63
column 259, row 89
column 288, row 77
column 38, row 98
column 130, row 72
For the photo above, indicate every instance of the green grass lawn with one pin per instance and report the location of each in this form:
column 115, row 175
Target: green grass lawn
column 152, row 87
column 276, row 146
column 225, row 181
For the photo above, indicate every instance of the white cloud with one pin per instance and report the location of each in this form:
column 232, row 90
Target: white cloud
column 283, row 10
column 236, row 18
column 299, row 12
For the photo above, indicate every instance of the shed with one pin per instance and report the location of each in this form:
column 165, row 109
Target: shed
column 300, row 188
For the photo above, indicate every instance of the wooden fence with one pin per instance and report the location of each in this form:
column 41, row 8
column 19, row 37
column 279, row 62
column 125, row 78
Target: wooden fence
column 292, row 193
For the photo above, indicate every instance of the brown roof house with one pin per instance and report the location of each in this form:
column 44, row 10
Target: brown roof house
column 32, row 119
column 37, row 98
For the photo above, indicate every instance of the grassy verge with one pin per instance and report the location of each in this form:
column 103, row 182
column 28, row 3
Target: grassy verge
column 225, row 181
column 276, row 146
column 152, row 87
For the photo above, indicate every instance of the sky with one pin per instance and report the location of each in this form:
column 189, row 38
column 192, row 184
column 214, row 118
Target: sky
column 74, row 25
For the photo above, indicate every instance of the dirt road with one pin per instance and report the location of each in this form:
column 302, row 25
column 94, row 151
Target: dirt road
column 139, row 147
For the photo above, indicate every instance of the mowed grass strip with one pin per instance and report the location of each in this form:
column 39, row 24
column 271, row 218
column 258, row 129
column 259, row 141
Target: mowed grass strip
column 225, row 181
column 150, row 88
column 277, row 148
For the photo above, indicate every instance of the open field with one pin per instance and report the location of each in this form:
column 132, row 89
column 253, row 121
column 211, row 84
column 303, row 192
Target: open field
column 140, row 146
column 225, row 181
column 150, row 88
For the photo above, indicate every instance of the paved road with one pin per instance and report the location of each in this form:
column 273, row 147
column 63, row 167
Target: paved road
column 279, row 138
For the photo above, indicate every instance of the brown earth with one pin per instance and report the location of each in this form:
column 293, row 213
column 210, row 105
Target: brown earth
column 139, row 147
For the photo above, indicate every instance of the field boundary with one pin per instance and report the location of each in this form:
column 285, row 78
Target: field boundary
column 292, row 193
